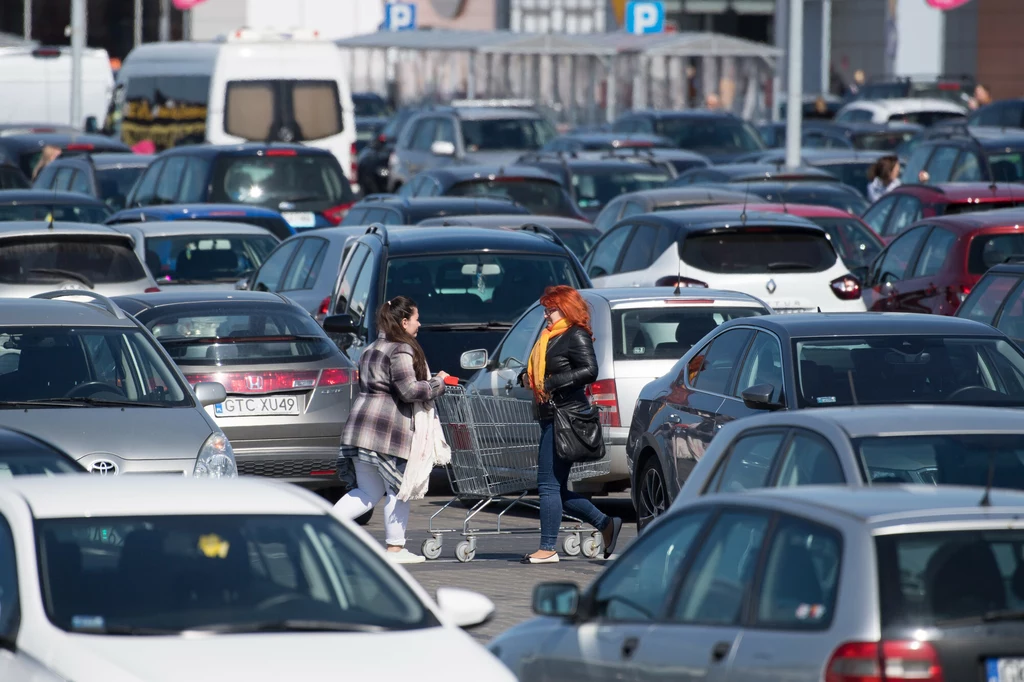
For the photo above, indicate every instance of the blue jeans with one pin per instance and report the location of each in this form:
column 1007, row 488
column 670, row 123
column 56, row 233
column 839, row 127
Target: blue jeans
column 555, row 496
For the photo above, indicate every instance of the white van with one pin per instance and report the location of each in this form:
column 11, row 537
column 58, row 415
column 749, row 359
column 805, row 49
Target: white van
column 250, row 85
column 35, row 83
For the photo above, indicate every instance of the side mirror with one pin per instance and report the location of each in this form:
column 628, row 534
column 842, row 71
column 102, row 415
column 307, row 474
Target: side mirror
column 760, row 397
column 340, row 324
column 561, row 600
column 464, row 608
column 210, row 393
column 473, row 359
column 442, row 148
column 91, row 124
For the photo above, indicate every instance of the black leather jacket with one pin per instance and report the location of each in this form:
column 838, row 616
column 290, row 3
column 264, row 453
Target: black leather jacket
column 571, row 367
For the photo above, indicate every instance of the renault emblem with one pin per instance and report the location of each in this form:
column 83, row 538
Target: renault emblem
column 103, row 467
column 770, row 286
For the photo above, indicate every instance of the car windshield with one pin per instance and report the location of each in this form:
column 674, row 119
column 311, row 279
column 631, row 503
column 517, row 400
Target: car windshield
column 931, row 577
column 475, row 288
column 540, row 197
column 506, row 134
column 214, row 334
column 721, row 136
column 1007, row 167
column 594, row 189
column 120, row 365
column 881, row 141
column 856, row 244
column 86, row 261
column 666, row 333
column 116, row 183
column 61, row 213
column 944, row 459
column 218, row 573
column 883, row 370
column 369, row 107
column 279, row 179
column 759, row 250
column 194, row 258
column 988, row 250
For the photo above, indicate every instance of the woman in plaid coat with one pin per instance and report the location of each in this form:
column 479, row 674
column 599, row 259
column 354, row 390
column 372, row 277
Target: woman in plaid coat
column 393, row 377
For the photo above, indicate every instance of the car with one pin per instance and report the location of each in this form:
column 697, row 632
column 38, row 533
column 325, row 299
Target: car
column 932, row 266
column 958, row 154
column 38, row 256
column 25, row 455
column 664, row 199
column 749, row 173
column 1007, row 113
column 289, row 388
column 198, row 253
column 108, row 176
column 955, row 88
column 835, row 194
column 24, row 149
column 538, row 191
column 92, row 381
column 813, row 583
column 786, row 260
column 372, row 163
column 38, row 204
column 814, row 106
column 718, row 135
column 921, row 110
column 838, row 135
column 773, row 362
column 849, row 165
column 593, row 183
column 266, row 218
column 598, row 142
column 389, row 209
column 306, row 184
column 578, row 235
column 639, row 333
column 996, row 299
column 371, row 115
column 471, row 285
column 674, row 160
column 245, row 567
column 11, row 177
column 465, row 135
column 903, row 206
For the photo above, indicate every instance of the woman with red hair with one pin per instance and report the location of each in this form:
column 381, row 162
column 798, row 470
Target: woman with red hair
column 561, row 366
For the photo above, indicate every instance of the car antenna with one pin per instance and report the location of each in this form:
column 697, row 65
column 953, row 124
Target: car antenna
column 985, row 499
column 679, row 277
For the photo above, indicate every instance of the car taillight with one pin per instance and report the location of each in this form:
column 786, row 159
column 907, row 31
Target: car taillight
column 602, row 393
column 892, row 661
column 964, row 292
column 324, row 307
column 259, row 382
column 281, row 152
column 336, row 214
column 79, row 147
column 353, row 166
column 681, row 281
column 152, row 290
column 846, row 288
column 338, row 377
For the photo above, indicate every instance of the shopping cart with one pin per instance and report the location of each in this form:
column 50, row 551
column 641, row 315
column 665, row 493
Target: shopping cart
column 494, row 441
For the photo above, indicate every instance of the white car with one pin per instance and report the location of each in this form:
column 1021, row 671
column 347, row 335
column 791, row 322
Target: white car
column 786, row 261
column 161, row 579
column 921, row 110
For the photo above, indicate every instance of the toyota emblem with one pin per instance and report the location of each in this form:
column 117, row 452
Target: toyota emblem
column 103, row 467
column 770, row 286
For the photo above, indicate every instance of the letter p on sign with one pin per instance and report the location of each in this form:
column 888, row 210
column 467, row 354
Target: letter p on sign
column 645, row 17
column 399, row 16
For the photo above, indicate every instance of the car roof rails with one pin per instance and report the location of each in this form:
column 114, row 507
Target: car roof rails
column 98, row 300
column 541, row 231
column 552, row 154
column 379, row 230
column 370, row 198
column 497, row 102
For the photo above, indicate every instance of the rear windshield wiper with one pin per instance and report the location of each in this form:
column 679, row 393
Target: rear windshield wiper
column 789, row 265
column 71, row 274
column 288, row 625
column 466, row 326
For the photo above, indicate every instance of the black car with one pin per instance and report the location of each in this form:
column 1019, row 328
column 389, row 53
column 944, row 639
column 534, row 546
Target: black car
column 11, row 177
column 25, row 455
column 743, row 173
column 372, row 163
column 835, row 194
column 23, row 150
column 719, row 135
column 471, row 285
column 305, row 184
column 807, row 360
column 849, row 165
column 665, row 199
column 38, row 204
column 883, row 137
column 674, row 161
column 597, row 142
column 539, row 191
column 1007, row 113
column 998, row 299
column 956, row 153
column 578, row 235
column 389, row 209
column 108, row 176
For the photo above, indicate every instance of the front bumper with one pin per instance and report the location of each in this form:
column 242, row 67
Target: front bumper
column 312, row 467
column 106, row 464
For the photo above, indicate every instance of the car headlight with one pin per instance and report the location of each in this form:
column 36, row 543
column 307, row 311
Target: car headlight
column 216, row 459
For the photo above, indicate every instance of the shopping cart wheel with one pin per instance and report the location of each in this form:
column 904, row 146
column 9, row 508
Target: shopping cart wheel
column 465, row 551
column 431, row 548
column 571, row 544
column 592, row 545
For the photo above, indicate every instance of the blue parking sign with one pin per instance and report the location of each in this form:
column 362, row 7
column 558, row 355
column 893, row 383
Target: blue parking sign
column 399, row 16
column 646, row 16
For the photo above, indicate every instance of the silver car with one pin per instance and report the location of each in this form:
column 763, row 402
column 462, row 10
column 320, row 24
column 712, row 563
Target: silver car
column 92, row 381
column 894, row 583
column 38, row 256
column 639, row 334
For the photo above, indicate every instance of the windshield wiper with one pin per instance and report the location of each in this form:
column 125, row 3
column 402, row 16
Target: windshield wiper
column 288, row 625
column 40, row 402
column 789, row 265
column 71, row 274
column 467, row 326
column 112, row 402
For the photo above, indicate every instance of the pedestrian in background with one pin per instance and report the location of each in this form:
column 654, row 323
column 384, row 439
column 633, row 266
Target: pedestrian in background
column 981, row 97
column 561, row 366
column 379, row 434
column 883, row 177
column 48, row 155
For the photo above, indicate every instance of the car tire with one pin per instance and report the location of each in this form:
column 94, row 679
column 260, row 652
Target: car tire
column 651, row 493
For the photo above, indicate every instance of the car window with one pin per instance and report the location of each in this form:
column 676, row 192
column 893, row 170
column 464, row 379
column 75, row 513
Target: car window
column 940, row 166
column 355, row 216
column 63, row 180
column 897, row 257
column 348, row 280
column 9, row 604
column 757, row 250
column 917, row 161
column 718, row 583
column 276, row 179
column 748, row 463
column 801, row 576
column 907, row 211
column 809, row 459
column 1011, row 319
column 46, row 179
column 497, row 134
column 667, row 332
column 517, row 344
column 879, row 213
column 608, row 216
column 143, row 195
column 638, row 253
column 445, row 131
column 631, row 208
column 1000, row 114
column 763, row 365
column 967, row 169
column 268, row 278
column 299, row 270
column 361, row 293
column 725, row 352
column 989, row 250
column 80, row 183
column 986, row 298
column 856, row 116
column 605, row 253
column 933, row 255
column 208, row 257
column 167, row 187
column 423, row 136
column 637, row 586
column 194, row 181
column 856, row 244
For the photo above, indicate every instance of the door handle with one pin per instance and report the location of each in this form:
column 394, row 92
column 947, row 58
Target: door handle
column 629, row 647
column 720, row 651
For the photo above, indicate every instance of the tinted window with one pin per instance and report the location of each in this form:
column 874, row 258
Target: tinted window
column 916, row 162
column 269, row 276
column 595, row 189
column 193, row 185
column 578, row 241
column 270, row 180
column 881, row 141
column 348, row 280
column 63, row 179
column 143, row 192
column 423, row 135
column 608, row 217
column 837, row 196
column 934, row 253
column 741, row 251
column 856, row 116
column 115, row 184
column 667, row 332
column 940, row 167
column 639, row 251
column 300, row 270
column 517, row 344
column 1011, row 319
column 207, row 257
column 63, row 212
column 725, row 353
column 91, row 261
column 607, row 251
column 854, row 173
column 1006, row 167
column 897, row 257
column 986, row 298
column 541, row 197
column 633, row 208
column 992, row 249
column 968, row 168
column 763, row 365
column 170, row 178
column 924, row 118
column 801, row 577
column 715, row 136
column 971, row 207
column 879, row 212
column 495, row 134
column 907, row 211
column 854, row 241
column 80, row 183
column 809, row 460
column 9, row 604
column 167, row 110
column 748, row 464
column 947, row 459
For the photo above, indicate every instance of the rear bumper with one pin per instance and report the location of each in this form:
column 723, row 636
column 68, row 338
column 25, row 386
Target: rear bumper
column 309, row 466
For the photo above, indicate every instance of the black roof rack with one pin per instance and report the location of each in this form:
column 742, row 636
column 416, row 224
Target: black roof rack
column 98, row 300
column 379, row 230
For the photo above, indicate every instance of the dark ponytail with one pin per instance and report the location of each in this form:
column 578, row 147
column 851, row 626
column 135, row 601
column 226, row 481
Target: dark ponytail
column 882, row 168
column 389, row 321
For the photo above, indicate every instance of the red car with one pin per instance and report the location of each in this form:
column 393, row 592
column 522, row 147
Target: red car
column 931, row 267
column 907, row 204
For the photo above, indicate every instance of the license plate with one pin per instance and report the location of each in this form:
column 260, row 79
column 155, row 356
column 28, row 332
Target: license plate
column 1004, row 669
column 786, row 304
column 300, row 219
column 270, row 405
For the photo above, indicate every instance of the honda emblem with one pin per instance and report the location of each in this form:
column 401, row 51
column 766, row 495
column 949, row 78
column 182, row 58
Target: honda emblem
column 254, row 382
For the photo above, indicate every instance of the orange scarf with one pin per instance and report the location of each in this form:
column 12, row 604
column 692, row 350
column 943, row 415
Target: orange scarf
column 539, row 357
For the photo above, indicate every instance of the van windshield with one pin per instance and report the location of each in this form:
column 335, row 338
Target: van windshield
column 282, row 110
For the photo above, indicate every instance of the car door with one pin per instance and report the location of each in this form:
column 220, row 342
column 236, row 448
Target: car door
column 891, row 268
column 510, row 358
column 604, row 256
column 925, row 289
column 761, row 365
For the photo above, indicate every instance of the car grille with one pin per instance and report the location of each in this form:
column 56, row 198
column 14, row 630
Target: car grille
column 288, row 468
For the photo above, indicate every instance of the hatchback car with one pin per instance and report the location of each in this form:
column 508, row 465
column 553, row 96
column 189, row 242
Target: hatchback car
column 578, row 235
column 289, row 388
column 107, row 176
column 893, row 583
column 788, row 261
column 997, row 300
column 305, row 184
column 955, row 154
column 269, row 220
column 245, row 566
column 920, row 110
column 719, row 135
column 834, row 194
column 665, row 199
column 389, row 209
column 24, row 148
column 36, row 204
column 906, row 204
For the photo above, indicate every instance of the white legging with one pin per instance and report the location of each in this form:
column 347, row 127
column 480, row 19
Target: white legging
column 362, row 499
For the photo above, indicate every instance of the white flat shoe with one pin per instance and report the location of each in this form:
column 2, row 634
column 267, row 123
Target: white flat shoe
column 405, row 557
column 553, row 559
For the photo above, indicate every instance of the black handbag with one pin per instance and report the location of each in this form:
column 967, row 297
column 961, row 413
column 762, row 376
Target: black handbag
column 578, row 434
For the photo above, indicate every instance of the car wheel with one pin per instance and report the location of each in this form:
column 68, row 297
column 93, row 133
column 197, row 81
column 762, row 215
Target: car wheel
column 651, row 495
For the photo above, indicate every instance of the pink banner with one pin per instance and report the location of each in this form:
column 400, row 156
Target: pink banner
column 189, row 4
column 946, row 4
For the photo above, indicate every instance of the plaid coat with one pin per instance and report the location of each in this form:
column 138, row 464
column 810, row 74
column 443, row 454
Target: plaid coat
column 381, row 417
